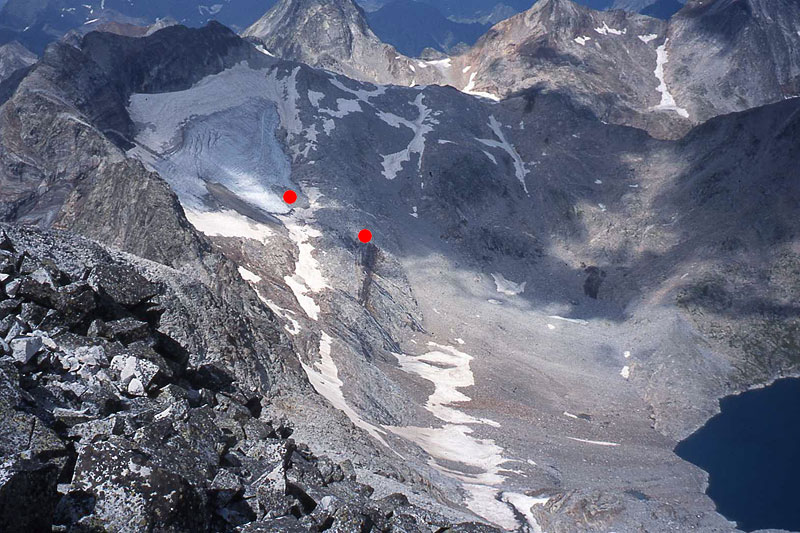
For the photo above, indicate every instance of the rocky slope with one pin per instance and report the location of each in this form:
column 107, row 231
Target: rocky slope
column 549, row 304
column 109, row 424
column 14, row 56
column 727, row 56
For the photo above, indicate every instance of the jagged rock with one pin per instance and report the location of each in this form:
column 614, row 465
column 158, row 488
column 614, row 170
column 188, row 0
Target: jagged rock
column 130, row 368
column 128, row 330
column 133, row 494
column 24, row 349
column 122, row 284
column 280, row 525
column 226, row 486
column 8, row 307
column 27, row 495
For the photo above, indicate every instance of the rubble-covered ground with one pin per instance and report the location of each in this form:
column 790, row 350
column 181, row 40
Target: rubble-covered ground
column 108, row 426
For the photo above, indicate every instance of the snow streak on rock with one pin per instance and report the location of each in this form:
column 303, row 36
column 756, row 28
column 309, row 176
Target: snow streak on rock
column 519, row 165
column 597, row 442
column 505, row 286
column 324, row 376
column 453, row 444
column 605, row 30
column 422, row 125
column 470, row 89
column 667, row 101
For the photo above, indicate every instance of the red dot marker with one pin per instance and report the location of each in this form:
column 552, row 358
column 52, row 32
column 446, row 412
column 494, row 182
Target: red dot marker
column 365, row 235
column 290, row 197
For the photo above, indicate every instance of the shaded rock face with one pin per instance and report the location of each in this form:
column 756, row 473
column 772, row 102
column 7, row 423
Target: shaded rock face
column 727, row 56
column 14, row 56
column 184, row 449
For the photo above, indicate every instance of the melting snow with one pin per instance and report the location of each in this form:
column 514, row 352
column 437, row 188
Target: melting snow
column 424, row 123
column 647, row 38
column 324, row 376
column 283, row 313
column 598, row 442
column 582, row 40
column 466, row 69
column 667, row 101
column 572, row 320
column 605, row 30
column 470, row 89
column 449, row 370
column 248, row 275
column 227, row 223
column 523, row 504
column 505, row 286
column 519, row 166
column 315, row 98
column 307, row 275
column 490, row 156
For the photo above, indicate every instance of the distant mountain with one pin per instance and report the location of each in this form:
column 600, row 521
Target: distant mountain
column 662, row 9
column 335, row 35
column 412, row 26
column 35, row 23
column 604, row 60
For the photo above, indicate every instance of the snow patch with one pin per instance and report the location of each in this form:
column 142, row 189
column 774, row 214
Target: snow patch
column 490, row 156
column 519, row 166
column 505, row 286
column 647, row 38
column 597, row 442
column 283, row 313
column 470, row 89
column 307, row 277
column 667, row 100
column 605, row 30
column 248, row 275
column 582, row 40
column 571, row 320
column 227, row 223
column 422, row 125
column 324, row 377
column 524, row 505
column 625, row 372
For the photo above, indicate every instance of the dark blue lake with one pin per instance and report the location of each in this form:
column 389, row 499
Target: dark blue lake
column 751, row 451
